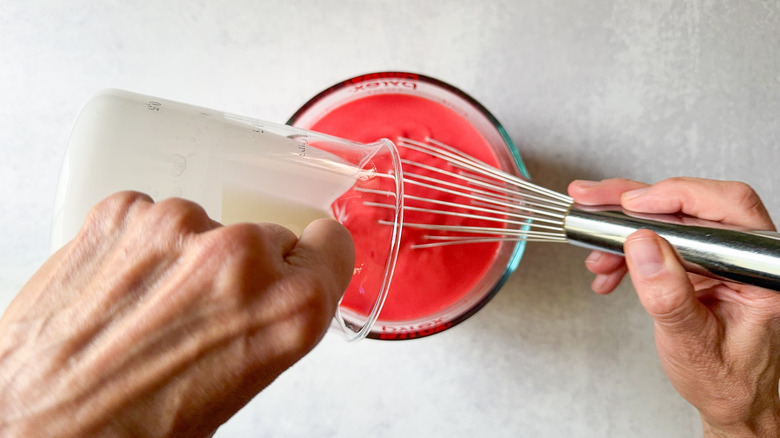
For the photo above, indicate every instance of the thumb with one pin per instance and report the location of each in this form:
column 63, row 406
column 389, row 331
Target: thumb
column 662, row 284
column 331, row 251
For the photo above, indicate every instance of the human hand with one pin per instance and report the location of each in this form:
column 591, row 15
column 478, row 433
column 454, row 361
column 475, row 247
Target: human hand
column 718, row 342
column 157, row 321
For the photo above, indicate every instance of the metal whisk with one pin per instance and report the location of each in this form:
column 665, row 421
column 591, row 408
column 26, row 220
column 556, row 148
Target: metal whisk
column 453, row 198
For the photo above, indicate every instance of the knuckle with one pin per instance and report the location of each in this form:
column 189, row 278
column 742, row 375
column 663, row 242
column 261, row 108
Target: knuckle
column 113, row 213
column 663, row 305
column 745, row 196
column 119, row 204
column 675, row 180
column 749, row 202
column 177, row 216
column 674, row 183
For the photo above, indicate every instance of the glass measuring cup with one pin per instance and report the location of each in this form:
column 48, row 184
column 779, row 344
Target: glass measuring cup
column 239, row 170
column 433, row 289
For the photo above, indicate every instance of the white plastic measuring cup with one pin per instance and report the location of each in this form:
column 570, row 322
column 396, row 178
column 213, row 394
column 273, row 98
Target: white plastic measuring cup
column 239, row 170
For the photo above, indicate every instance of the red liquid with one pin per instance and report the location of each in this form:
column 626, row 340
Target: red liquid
column 427, row 280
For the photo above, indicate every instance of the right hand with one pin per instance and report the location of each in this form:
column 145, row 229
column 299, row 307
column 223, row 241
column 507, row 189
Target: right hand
column 157, row 321
column 718, row 342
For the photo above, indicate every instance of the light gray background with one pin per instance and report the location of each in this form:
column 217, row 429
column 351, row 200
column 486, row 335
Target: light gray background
column 641, row 89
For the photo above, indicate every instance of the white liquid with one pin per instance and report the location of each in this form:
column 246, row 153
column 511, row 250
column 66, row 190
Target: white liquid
column 242, row 205
column 237, row 170
column 260, row 189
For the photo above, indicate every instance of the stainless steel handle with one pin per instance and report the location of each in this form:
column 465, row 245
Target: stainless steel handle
column 707, row 248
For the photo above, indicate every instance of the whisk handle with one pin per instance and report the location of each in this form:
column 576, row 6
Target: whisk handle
column 707, row 248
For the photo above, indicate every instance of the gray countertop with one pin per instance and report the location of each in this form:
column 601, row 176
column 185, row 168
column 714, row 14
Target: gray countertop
column 645, row 90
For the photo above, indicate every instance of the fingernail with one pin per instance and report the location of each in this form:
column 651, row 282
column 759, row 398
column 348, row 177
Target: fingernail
column 593, row 257
column 598, row 283
column 584, row 183
column 646, row 255
column 634, row 193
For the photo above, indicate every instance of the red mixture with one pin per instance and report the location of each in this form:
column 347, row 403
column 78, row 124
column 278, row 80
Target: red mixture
column 426, row 280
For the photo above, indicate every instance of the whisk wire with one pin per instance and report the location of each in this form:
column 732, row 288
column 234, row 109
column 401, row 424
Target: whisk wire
column 473, row 194
column 460, row 159
column 506, row 202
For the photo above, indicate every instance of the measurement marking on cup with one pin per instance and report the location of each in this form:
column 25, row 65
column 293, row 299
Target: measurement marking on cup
column 301, row 146
column 178, row 165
